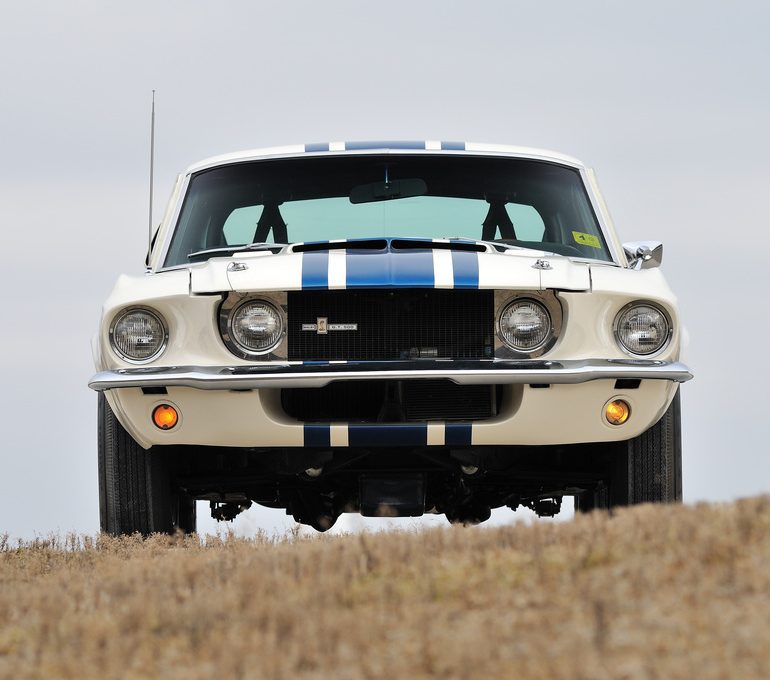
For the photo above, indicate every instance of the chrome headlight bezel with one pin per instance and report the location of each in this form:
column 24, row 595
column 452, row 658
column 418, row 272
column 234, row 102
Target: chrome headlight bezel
column 228, row 313
column 546, row 300
column 122, row 314
column 652, row 305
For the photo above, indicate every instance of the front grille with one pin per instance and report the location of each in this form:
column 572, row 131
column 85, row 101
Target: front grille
column 391, row 324
column 444, row 400
column 391, row 401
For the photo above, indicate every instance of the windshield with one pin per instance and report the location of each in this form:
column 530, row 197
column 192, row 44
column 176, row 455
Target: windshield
column 531, row 204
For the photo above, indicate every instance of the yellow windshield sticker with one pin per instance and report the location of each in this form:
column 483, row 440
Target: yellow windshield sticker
column 586, row 239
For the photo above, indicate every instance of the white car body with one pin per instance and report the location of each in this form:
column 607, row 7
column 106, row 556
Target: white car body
column 225, row 400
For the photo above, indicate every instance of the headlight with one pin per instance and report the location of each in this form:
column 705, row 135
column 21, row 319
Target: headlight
column 642, row 328
column 256, row 327
column 138, row 335
column 525, row 325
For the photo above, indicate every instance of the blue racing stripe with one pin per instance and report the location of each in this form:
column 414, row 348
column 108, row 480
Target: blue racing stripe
column 407, row 434
column 358, row 146
column 315, row 269
column 453, row 146
column 316, row 147
column 405, row 269
column 413, row 269
column 466, row 269
column 457, row 434
column 367, row 269
column 317, row 434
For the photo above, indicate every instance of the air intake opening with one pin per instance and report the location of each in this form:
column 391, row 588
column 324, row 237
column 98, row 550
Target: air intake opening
column 392, row 401
column 415, row 244
column 627, row 384
column 370, row 244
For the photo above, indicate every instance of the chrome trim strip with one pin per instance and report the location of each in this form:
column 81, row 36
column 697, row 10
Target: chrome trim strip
column 285, row 375
column 173, row 224
column 599, row 215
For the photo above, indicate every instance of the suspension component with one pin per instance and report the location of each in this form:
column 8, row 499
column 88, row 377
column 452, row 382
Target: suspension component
column 227, row 512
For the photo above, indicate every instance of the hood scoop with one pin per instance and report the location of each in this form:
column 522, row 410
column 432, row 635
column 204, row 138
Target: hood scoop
column 389, row 263
column 325, row 246
column 391, row 244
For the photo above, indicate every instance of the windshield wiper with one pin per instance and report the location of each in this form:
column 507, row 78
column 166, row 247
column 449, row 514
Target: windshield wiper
column 498, row 244
column 511, row 246
column 257, row 245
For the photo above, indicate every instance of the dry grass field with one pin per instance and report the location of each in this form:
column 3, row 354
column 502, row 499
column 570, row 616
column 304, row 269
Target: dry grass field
column 653, row 592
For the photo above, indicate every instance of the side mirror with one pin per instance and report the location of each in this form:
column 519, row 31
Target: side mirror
column 643, row 254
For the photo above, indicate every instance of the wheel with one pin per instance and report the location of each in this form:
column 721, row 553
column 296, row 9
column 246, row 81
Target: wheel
column 645, row 469
column 135, row 486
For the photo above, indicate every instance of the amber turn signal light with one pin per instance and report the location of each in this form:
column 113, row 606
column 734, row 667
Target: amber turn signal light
column 165, row 417
column 617, row 412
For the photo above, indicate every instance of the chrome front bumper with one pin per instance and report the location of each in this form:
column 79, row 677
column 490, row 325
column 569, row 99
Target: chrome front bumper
column 319, row 374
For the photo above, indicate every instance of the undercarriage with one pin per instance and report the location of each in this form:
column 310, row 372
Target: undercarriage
column 316, row 486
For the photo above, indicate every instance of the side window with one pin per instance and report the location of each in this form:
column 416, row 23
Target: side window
column 527, row 222
column 241, row 224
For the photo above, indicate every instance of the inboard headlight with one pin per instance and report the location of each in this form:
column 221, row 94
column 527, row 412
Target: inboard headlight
column 525, row 325
column 256, row 326
column 138, row 335
column 642, row 328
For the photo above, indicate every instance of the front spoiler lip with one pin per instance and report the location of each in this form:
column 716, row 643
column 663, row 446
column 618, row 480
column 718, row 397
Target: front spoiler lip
column 319, row 374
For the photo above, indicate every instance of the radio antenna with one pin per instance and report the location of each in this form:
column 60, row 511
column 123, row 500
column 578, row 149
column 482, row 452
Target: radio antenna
column 152, row 169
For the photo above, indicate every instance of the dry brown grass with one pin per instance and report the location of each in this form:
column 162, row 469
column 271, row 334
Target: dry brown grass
column 653, row 592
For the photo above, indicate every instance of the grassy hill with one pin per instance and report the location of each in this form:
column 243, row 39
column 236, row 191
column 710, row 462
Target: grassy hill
column 651, row 592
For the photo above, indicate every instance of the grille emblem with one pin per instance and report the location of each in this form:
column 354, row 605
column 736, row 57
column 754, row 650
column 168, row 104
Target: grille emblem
column 322, row 326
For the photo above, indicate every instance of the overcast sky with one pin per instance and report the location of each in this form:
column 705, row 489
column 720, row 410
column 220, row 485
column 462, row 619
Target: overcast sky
column 668, row 101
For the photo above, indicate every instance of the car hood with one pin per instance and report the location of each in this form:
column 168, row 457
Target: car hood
column 389, row 263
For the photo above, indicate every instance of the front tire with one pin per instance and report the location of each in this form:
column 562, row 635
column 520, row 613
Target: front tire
column 136, row 490
column 645, row 469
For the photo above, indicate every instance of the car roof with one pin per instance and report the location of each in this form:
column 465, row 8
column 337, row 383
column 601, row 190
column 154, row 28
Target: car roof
column 386, row 147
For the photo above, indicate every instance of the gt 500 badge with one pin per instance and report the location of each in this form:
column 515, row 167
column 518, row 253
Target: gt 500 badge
column 322, row 326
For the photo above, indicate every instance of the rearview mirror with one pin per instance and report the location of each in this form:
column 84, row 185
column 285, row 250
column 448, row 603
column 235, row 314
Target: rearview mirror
column 643, row 254
column 386, row 191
